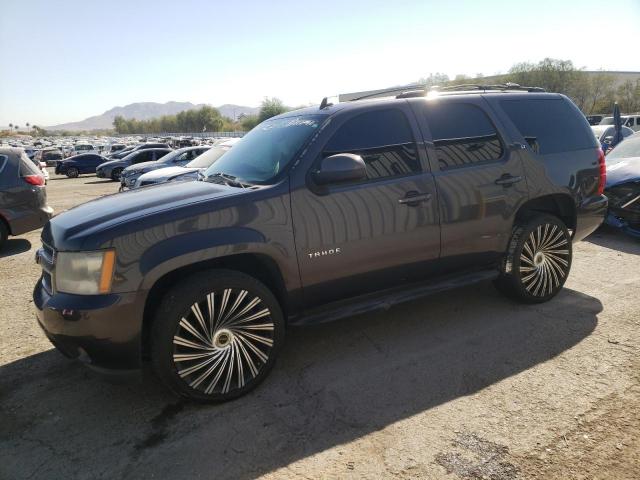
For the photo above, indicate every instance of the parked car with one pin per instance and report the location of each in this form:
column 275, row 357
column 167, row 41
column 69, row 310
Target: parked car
column 176, row 158
column 113, row 148
column 51, row 156
column 23, row 197
column 190, row 171
column 604, row 134
column 594, row 119
column 79, row 148
column 113, row 168
column 317, row 214
column 134, row 148
column 631, row 121
column 623, row 186
column 80, row 164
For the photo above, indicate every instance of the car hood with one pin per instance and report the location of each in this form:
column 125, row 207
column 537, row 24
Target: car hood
column 94, row 225
column 625, row 170
column 167, row 173
column 139, row 167
column 113, row 163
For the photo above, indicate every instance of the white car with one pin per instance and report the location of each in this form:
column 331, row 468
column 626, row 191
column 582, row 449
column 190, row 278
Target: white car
column 79, row 148
column 631, row 121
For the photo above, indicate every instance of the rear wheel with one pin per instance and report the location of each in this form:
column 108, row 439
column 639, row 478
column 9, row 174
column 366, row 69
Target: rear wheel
column 72, row 172
column 538, row 260
column 4, row 234
column 115, row 174
column 216, row 336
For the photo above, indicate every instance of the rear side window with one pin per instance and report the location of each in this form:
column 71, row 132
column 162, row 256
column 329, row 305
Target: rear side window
column 549, row 125
column 3, row 162
column 383, row 139
column 27, row 167
column 463, row 135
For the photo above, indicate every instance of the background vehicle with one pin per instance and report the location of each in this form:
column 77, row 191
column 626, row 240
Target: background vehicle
column 176, row 158
column 113, row 148
column 594, row 119
column 80, row 164
column 631, row 121
column 113, row 168
column 23, row 198
column 314, row 215
column 51, row 156
column 79, row 148
column 623, row 186
column 604, row 134
column 189, row 171
column 42, row 166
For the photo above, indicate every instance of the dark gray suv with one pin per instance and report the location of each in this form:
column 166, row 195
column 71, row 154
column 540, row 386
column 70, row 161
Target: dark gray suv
column 319, row 214
column 23, row 198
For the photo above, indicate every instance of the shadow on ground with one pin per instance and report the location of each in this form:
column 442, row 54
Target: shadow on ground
column 333, row 384
column 614, row 239
column 15, row 246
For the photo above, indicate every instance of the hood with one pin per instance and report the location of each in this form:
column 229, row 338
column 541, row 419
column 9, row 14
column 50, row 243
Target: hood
column 93, row 225
column 139, row 167
column 167, row 173
column 625, row 170
column 113, row 163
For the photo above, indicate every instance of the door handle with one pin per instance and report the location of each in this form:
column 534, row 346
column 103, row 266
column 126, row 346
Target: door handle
column 507, row 180
column 414, row 198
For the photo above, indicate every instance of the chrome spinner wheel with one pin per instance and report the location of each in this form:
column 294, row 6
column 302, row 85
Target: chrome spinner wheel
column 223, row 341
column 544, row 260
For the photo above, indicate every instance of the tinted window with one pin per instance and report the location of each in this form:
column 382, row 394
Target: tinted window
column 3, row 161
column 27, row 167
column 384, row 141
column 143, row 156
column 554, row 124
column 462, row 134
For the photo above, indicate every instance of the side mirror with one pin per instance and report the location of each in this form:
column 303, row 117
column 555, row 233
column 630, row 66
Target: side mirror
column 342, row 167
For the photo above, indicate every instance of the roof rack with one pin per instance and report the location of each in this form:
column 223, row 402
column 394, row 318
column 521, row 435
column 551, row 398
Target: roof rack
column 477, row 86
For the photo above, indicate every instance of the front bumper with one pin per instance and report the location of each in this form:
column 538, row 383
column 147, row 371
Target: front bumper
column 101, row 173
column 103, row 331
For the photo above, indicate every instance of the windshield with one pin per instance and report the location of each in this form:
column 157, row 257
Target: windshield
column 267, row 149
column 207, row 158
column 629, row 148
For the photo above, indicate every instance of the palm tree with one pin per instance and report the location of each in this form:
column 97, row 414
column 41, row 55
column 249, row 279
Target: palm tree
column 11, row 127
column 16, row 127
column 28, row 129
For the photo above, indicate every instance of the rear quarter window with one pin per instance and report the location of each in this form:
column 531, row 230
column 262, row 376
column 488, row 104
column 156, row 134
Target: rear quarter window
column 3, row 162
column 553, row 125
column 27, row 167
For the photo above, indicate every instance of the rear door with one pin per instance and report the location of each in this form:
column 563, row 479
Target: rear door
column 360, row 237
column 479, row 178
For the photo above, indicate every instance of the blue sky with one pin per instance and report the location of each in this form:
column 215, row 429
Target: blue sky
column 66, row 60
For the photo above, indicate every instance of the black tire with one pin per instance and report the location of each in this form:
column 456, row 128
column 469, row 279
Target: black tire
column 216, row 339
column 72, row 172
column 115, row 174
column 538, row 260
column 4, row 234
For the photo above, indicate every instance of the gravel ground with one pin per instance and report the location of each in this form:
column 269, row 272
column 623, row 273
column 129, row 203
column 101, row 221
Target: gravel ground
column 437, row 388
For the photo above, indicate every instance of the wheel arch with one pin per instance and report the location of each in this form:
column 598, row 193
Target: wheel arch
column 257, row 265
column 558, row 204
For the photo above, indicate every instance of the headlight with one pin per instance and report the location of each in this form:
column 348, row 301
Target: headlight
column 84, row 273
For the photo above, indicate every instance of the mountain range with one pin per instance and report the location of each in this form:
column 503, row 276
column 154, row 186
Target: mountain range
column 147, row 110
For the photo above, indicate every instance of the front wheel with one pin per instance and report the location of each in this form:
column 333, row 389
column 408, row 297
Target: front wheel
column 115, row 174
column 216, row 336
column 538, row 260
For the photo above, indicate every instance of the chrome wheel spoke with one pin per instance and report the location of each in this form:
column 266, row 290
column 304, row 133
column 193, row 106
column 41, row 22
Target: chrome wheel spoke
column 221, row 347
column 544, row 260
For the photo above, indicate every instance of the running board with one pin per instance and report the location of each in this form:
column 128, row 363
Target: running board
column 385, row 299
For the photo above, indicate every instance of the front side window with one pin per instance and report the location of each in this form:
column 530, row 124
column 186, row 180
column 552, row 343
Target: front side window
column 383, row 139
column 462, row 135
column 266, row 150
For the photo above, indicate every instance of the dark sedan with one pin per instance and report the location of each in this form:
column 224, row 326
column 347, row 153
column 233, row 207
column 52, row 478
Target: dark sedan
column 80, row 164
column 112, row 169
column 177, row 158
column 623, row 186
column 23, row 198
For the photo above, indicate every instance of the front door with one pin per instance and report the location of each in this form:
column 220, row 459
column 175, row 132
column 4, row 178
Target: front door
column 360, row 237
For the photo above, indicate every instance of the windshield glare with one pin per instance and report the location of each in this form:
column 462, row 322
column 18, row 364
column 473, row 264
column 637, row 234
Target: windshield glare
column 629, row 148
column 267, row 149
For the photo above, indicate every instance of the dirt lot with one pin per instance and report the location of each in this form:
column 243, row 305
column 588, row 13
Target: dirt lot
column 464, row 384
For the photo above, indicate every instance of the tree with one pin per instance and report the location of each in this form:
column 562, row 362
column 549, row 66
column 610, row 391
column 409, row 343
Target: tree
column 434, row 79
column 628, row 96
column 249, row 121
column 11, row 127
column 16, row 127
column 271, row 107
column 601, row 88
column 28, row 129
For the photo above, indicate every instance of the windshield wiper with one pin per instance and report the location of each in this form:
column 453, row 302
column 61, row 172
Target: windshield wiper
column 230, row 180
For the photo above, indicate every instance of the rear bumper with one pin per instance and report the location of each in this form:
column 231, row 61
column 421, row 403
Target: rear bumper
column 30, row 220
column 103, row 331
column 590, row 215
